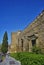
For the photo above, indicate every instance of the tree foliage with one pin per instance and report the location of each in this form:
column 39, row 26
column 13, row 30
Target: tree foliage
column 5, row 43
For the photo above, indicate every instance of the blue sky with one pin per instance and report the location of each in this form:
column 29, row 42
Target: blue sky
column 17, row 14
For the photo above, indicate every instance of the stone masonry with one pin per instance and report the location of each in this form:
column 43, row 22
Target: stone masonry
column 33, row 34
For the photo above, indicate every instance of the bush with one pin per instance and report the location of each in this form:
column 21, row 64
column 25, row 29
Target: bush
column 27, row 58
column 36, row 50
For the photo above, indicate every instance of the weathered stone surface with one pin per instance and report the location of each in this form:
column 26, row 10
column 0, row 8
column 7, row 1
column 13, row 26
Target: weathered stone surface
column 14, row 42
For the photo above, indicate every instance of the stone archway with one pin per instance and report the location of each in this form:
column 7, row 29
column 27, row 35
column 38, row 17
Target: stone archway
column 33, row 40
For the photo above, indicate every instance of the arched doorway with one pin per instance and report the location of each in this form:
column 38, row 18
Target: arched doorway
column 22, row 44
column 33, row 42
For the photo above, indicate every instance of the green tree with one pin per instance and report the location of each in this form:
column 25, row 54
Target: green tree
column 0, row 47
column 4, row 48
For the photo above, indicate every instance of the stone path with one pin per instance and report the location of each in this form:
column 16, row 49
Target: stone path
column 10, row 61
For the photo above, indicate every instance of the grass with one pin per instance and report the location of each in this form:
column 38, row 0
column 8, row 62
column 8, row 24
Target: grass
column 27, row 58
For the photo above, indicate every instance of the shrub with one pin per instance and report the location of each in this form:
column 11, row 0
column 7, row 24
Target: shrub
column 36, row 50
column 27, row 58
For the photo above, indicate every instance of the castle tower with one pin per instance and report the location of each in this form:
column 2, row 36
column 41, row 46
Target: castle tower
column 13, row 42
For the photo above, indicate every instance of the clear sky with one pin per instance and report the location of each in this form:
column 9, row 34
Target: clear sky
column 17, row 14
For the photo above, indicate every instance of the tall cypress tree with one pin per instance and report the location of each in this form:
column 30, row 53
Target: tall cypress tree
column 5, row 43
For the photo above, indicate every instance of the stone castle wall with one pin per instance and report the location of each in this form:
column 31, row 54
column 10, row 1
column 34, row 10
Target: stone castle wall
column 35, row 31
